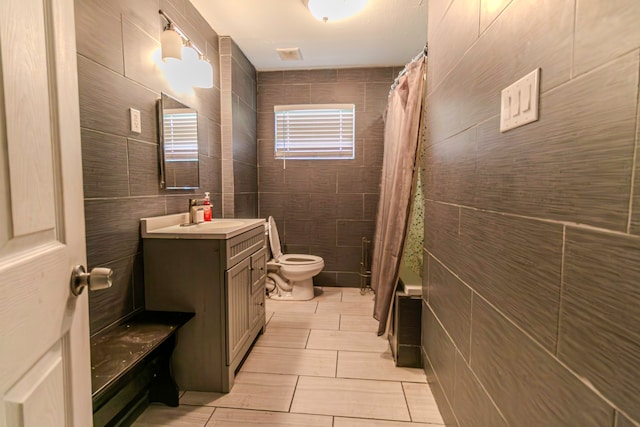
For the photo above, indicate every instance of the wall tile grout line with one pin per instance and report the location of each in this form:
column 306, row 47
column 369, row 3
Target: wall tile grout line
column 635, row 158
column 482, row 386
column 561, row 290
column 128, row 169
column 435, row 374
column 129, row 79
column 573, row 41
column 470, row 328
column 577, row 225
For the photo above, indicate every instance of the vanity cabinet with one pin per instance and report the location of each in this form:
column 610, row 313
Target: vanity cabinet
column 221, row 280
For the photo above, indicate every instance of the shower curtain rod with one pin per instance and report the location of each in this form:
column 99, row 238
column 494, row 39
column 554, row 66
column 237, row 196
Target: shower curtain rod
column 422, row 54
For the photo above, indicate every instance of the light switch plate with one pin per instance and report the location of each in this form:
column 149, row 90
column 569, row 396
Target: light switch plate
column 136, row 125
column 519, row 102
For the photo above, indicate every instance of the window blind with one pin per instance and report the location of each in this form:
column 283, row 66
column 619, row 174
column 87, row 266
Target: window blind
column 180, row 128
column 315, row 131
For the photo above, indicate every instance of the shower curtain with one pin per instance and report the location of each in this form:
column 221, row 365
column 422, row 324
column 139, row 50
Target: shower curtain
column 401, row 133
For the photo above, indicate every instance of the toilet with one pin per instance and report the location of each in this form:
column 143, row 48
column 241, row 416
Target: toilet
column 290, row 276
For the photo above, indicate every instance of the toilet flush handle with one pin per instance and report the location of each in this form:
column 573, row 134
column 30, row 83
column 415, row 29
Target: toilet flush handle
column 99, row 278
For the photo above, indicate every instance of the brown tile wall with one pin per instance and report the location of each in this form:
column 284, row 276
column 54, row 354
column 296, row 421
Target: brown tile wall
column 532, row 245
column 325, row 207
column 115, row 43
column 239, row 132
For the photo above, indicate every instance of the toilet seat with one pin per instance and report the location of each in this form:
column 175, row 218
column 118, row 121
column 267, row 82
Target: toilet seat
column 298, row 259
column 287, row 259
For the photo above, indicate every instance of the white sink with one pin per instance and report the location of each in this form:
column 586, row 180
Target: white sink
column 172, row 227
column 217, row 224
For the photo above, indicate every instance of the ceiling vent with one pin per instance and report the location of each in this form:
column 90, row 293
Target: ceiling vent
column 290, row 54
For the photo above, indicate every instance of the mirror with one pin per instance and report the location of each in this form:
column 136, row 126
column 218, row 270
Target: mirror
column 178, row 132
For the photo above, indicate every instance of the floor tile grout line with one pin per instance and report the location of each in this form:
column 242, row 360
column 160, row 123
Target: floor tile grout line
column 241, row 409
column 383, row 380
column 334, row 377
column 210, row 416
column 406, row 401
column 388, row 420
column 293, row 395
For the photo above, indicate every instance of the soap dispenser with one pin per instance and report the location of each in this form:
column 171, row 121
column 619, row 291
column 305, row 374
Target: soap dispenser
column 207, row 207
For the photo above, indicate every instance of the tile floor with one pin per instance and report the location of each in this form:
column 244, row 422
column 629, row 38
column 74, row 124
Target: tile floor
column 319, row 363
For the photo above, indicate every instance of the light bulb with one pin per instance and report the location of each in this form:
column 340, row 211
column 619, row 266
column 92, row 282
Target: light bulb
column 189, row 65
column 204, row 73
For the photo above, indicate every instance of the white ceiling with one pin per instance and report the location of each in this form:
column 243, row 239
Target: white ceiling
column 386, row 32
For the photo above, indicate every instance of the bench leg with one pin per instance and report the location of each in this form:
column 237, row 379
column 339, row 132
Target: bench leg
column 163, row 388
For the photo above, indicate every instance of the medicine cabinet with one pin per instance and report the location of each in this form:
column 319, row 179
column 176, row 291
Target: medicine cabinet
column 178, row 144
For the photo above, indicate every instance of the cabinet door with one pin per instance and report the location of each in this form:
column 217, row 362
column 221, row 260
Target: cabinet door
column 256, row 307
column 258, row 268
column 258, row 275
column 238, row 285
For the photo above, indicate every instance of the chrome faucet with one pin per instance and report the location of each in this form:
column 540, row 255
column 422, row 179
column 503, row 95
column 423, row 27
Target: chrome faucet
column 195, row 205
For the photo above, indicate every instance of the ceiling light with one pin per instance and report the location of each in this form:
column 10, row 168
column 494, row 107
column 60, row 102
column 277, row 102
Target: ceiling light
column 171, row 43
column 335, row 10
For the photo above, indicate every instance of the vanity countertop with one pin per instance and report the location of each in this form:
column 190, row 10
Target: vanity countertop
column 170, row 227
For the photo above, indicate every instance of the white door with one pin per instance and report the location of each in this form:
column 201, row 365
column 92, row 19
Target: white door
column 44, row 329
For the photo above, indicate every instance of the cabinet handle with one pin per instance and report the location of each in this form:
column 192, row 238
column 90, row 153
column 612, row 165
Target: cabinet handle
column 261, row 304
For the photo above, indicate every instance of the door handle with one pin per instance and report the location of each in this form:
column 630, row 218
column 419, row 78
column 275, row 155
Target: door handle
column 99, row 278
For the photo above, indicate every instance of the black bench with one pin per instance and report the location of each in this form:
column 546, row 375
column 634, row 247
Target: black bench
column 130, row 366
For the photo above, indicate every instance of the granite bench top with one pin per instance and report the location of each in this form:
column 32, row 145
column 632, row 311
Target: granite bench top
column 116, row 351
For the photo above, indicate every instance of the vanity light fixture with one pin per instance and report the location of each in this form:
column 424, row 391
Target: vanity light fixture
column 334, row 10
column 185, row 58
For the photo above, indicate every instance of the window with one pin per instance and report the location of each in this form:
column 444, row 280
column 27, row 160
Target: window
column 314, row 131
